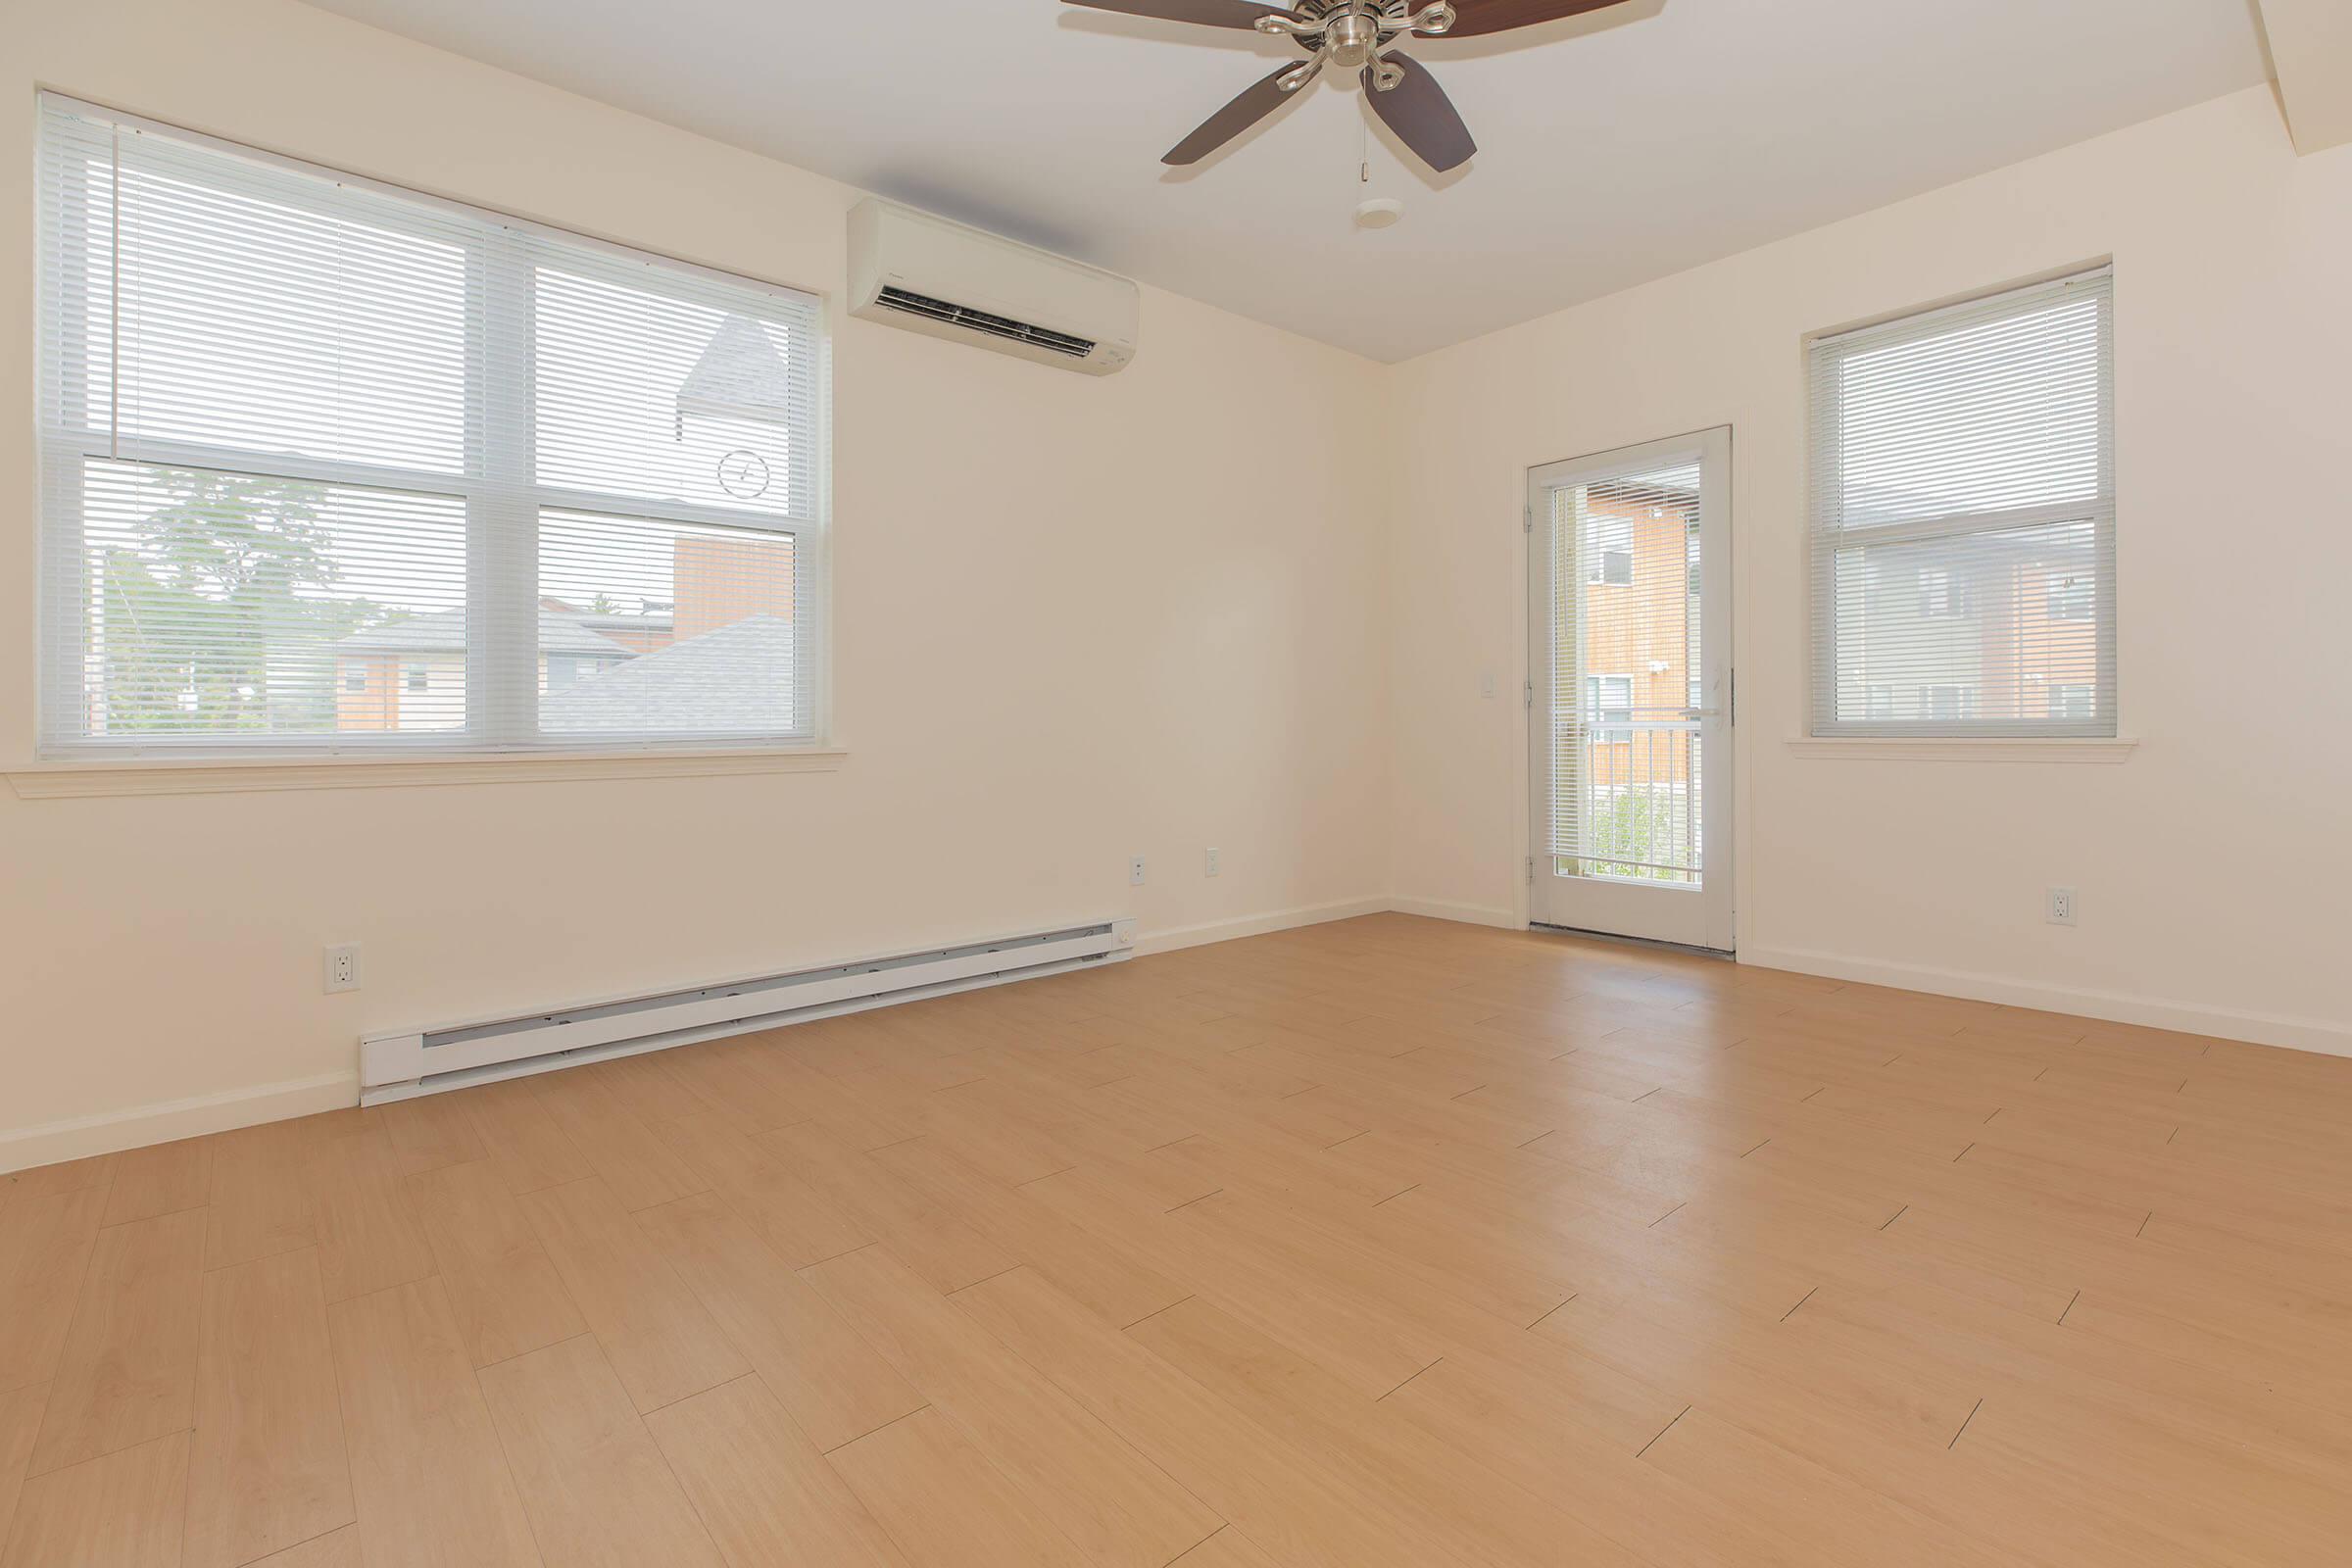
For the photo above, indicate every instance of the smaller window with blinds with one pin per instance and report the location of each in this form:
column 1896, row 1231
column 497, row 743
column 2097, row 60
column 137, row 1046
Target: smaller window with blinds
column 1963, row 519
column 330, row 466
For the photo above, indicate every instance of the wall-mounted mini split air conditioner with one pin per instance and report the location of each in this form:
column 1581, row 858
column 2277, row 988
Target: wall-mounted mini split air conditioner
column 929, row 275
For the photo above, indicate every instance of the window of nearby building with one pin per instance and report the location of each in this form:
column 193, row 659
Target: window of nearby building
column 568, row 669
column 1951, row 705
column 1609, row 708
column 2073, row 599
column 292, row 422
column 1610, row 558
column 1940, row 597
column 2072, row 701
column 1964, row 518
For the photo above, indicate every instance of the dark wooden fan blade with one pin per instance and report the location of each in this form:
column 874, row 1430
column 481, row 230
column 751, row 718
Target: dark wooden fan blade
column 1423, row 117
column 1474, row 17
column 1231, row 120
column 1208, row 13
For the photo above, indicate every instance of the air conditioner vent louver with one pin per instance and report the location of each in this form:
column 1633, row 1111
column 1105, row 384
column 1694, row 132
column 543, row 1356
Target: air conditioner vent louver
column 922, row 273
column 914, row 304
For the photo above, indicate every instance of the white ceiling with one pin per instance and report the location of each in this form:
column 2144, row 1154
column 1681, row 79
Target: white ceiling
column 1620, row 147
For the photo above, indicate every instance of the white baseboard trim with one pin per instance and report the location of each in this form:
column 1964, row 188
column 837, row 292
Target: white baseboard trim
column 169, row 1120
column 1257, row 925
column 2153, row 1012
column 1461, row 913
column 165, row 1121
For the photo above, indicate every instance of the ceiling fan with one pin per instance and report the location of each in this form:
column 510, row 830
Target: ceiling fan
column 1354, row 35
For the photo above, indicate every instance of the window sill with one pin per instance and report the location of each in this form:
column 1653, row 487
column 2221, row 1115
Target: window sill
column 219, row 775
column 1955, row 748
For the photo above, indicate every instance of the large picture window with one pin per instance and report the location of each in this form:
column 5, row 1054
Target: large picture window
column 328, row 467
column 1964, row 520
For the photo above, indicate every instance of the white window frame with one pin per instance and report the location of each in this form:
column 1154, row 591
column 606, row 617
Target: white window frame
column 1824, row 533
column 503, row 499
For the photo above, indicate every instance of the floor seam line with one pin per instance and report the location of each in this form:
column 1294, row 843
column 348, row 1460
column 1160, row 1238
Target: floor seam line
column 1400, row 1386
column 1548, row 1317
column 1147, row 1317
column 1662, row 1431
column 1964, row 1426
column 1178, row 1559
column 870, row 1431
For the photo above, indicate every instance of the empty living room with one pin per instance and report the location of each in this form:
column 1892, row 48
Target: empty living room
column 1175, row 784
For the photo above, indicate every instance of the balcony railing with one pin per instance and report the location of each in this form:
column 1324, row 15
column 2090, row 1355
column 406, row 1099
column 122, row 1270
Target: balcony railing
column 1635, row 799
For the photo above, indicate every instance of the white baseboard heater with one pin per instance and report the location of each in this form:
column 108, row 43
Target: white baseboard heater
column 402, row 1066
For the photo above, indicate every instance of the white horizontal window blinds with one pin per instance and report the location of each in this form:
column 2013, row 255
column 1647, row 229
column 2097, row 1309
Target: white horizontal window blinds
column 1964, row 520
column 328, row 466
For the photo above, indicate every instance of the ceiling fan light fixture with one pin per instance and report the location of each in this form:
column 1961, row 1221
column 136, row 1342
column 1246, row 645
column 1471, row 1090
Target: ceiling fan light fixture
column 1356, row 36
column 1381, row 212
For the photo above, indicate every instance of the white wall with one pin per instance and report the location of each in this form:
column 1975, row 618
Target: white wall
column 1077, row 620
column 2213, row 865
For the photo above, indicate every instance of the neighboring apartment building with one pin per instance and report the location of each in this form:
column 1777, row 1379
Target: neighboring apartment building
column 410, row 674
column 1640, row 636
column 2012, row 634
column 703, row 641
column 722, row 643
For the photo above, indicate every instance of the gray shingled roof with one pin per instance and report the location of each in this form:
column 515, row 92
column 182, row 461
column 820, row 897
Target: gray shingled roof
column 444, row 632
column 737, row 678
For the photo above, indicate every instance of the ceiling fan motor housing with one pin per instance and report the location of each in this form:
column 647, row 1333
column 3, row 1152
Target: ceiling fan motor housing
column 1350, row 39
column 1353, row 34
column 1358, row 36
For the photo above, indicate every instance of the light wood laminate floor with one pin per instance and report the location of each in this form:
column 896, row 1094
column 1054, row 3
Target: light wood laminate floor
column 1387, row 1242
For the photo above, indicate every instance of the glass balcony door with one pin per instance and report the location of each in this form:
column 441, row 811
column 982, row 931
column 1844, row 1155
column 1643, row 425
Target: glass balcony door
column 1630, row 692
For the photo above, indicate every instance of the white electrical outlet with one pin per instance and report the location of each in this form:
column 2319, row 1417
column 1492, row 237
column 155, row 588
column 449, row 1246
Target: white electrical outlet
column 1209, row 864
column 2062, row 905
column 343, row 968
column 1135, row 872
